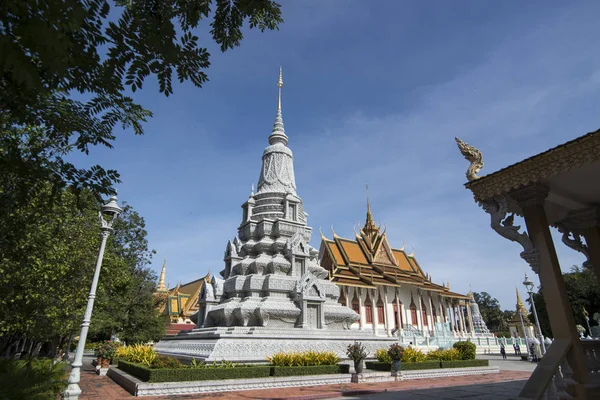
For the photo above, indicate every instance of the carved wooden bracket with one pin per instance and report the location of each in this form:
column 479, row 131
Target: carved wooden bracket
column 575, row 243
column 503, row 225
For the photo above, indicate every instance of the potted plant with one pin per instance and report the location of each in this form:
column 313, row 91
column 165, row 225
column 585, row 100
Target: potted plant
column 106, row 352
column 357, row 353
column 396, row 352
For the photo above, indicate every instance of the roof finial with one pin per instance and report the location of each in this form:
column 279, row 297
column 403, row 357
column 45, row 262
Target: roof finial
column 161, row 279
column 369, row 224
column 279, row 85
column 278, row 135
column 252, row 191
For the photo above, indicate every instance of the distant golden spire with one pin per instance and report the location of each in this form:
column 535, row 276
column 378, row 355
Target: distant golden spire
column 161, row 280
column 520, row 306
column 369, row 225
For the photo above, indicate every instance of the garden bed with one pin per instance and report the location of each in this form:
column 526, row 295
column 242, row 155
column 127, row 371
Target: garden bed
column 146, row 374
column 411, row 366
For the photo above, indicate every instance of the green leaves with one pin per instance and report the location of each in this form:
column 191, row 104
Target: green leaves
column 51, row 51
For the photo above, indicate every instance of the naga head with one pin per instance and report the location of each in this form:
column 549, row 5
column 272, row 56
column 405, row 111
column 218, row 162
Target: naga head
column 472, row 155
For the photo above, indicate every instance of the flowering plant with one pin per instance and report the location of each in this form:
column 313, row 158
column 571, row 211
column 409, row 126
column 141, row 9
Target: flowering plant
column 396, row 351
column 107, row 350
column 356, row 351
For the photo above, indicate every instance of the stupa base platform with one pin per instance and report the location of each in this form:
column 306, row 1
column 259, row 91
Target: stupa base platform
column 254, row 344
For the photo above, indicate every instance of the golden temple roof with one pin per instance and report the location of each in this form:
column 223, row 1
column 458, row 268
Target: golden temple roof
column 369, row 261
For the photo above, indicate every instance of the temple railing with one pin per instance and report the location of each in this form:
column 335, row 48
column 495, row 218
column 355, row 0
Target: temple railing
column 591, row 349
column 553, row 375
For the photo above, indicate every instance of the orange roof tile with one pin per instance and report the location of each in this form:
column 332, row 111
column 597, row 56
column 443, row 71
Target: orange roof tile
column 353, row 251
column 402, row 259
column 336, row 253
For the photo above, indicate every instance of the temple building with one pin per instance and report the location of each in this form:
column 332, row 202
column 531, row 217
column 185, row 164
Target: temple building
column 390, row 291
column 181, row 302
column 520, row 326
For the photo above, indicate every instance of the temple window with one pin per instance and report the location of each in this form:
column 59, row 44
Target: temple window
column 356, row 307
column 380, row 315
column 413, row 315
column 369, row 309
column 292, row 211
column 396, row 314
column 424, row 316
column 369, row 312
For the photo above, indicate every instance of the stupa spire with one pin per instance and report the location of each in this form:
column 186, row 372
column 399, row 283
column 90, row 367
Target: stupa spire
column 278, row 134
column 161, row 280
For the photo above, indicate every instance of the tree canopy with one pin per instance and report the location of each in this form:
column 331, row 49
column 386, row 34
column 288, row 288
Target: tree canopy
column 45, row 278
column 582, row 290
column 68, row 67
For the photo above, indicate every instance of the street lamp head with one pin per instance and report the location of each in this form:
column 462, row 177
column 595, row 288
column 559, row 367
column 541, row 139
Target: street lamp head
column 528, row 284
column 111, row 210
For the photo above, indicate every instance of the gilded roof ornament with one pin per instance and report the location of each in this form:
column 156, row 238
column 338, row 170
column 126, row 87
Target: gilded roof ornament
column 322, row 236
column 473, row 155
column 403, row 246
column 412, row 253
column 520, row 306
column 334, row 234
column 161, row 280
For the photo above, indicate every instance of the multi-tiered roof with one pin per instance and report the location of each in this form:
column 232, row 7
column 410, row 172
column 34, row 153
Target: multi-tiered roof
column 369, row 261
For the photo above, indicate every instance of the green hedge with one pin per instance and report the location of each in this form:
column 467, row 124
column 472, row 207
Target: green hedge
column 202, row 374
column 193, row 374
column 405, row 366
column 409, row 366
column 465, row 363
column 311, row 370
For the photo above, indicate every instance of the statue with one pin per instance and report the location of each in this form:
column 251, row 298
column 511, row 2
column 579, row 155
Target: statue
column 474, row 156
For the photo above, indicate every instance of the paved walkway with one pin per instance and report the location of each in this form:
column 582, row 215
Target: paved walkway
column 505, row 385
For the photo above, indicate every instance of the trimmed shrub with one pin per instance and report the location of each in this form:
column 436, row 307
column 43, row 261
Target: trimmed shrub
column 467, row 350
column 165, row 362
column 444, row 355
column 465, row 363
column 410, row 366
column 383, row 356
column 378, row 365
column 311, row 370
column 193, row 374
column 413, row 355
column 303, row 359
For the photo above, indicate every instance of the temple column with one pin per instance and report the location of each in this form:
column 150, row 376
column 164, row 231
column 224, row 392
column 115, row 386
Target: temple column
column 386, row 319
column 470, row 317
column 346, row 290
column 461, row 319
column 431, row 308
column 400, row 311
column 452, row 317
column 374, row 311
column 361, row 308
column 545, row 262
column 444, row 314
column 420, row 312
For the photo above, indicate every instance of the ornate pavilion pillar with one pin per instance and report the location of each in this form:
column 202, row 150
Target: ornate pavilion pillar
column 452, row 316
column 543, row 259
column 346, row 290
column 432, row 327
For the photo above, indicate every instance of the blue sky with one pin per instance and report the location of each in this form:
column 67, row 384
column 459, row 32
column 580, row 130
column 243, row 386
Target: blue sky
column 373, row 91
